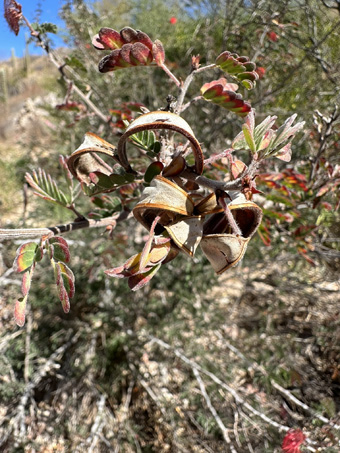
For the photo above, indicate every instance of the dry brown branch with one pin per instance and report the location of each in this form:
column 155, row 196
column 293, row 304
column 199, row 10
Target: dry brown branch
column 277, row 386
column 238, row 399
column 17, row 420
column 214, row 412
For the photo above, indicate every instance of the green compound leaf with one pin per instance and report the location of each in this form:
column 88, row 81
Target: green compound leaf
column 145, row 140
column 106, row 183
column 46, row 187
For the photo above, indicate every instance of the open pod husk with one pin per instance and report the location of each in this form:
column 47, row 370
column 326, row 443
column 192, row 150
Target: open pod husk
column 247, row 214
column 186, row 233
column 85, row 159
column 160, row 120
column 207, row 205
column 223, row 250
column 162, row 198
column 221, row 246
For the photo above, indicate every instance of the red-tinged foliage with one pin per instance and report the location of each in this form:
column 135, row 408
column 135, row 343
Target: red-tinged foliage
column 71, row 107
column 219, row 92
column 288, row 176
column 237, row 167
column 285, row 153
column 158, row 52
column 260, row 71
column 272, row 36
column 65, row 284
column 19, row 311
column 304, row 253
column 292, row 441
column 129, row 48
column 58, row 249
column 137, row 282
column 26, row 282
column 20, row 304
column 13, row 14
column 240, row 68
column 108, row 38
column 302, row 231
column 264, row 234
column 327, row 206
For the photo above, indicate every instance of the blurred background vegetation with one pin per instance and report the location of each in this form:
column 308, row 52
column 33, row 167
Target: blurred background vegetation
column 99, row 378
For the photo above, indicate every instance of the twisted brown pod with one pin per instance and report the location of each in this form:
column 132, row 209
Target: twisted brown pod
column 85, row 159
column 160, row 120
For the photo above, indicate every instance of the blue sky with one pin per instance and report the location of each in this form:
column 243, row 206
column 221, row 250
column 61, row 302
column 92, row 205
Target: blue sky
column 8, row 40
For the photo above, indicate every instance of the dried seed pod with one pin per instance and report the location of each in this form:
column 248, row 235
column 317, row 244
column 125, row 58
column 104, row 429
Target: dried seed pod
column 160, row 120
column 207, row 205
column 223, row 250
column 186, row 233
column 162, row 198
column 247, row 215
column 85, row 160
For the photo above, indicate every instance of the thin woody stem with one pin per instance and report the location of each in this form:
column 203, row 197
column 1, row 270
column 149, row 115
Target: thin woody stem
column 211, row 183
column 28, row 233
column 170, row 74
column 60, row 66
column 230, row 217
column 186, row 85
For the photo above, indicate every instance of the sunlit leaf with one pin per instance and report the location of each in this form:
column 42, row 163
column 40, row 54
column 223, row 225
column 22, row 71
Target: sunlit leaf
column 138, row 281
column 25, row 256
column 58, row 249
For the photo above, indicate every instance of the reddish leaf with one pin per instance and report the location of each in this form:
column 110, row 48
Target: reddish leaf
column 141, row 54
column 239, row 67
column 19, row 311
column 12, row 15
column 272, row 36
column 264, row 234
column 26, row 281
column 261, row 72
column 327, row 206
column 285, row 153
column 324, row 189
column 129, row 35
column 138, row 281
column 144, row 258
column 125, row 52
column 218, row 93
column 144, row 39
column 65, row 283
column 58, row 249
column 158, row 52
column 237, row 167
column 108, row 38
